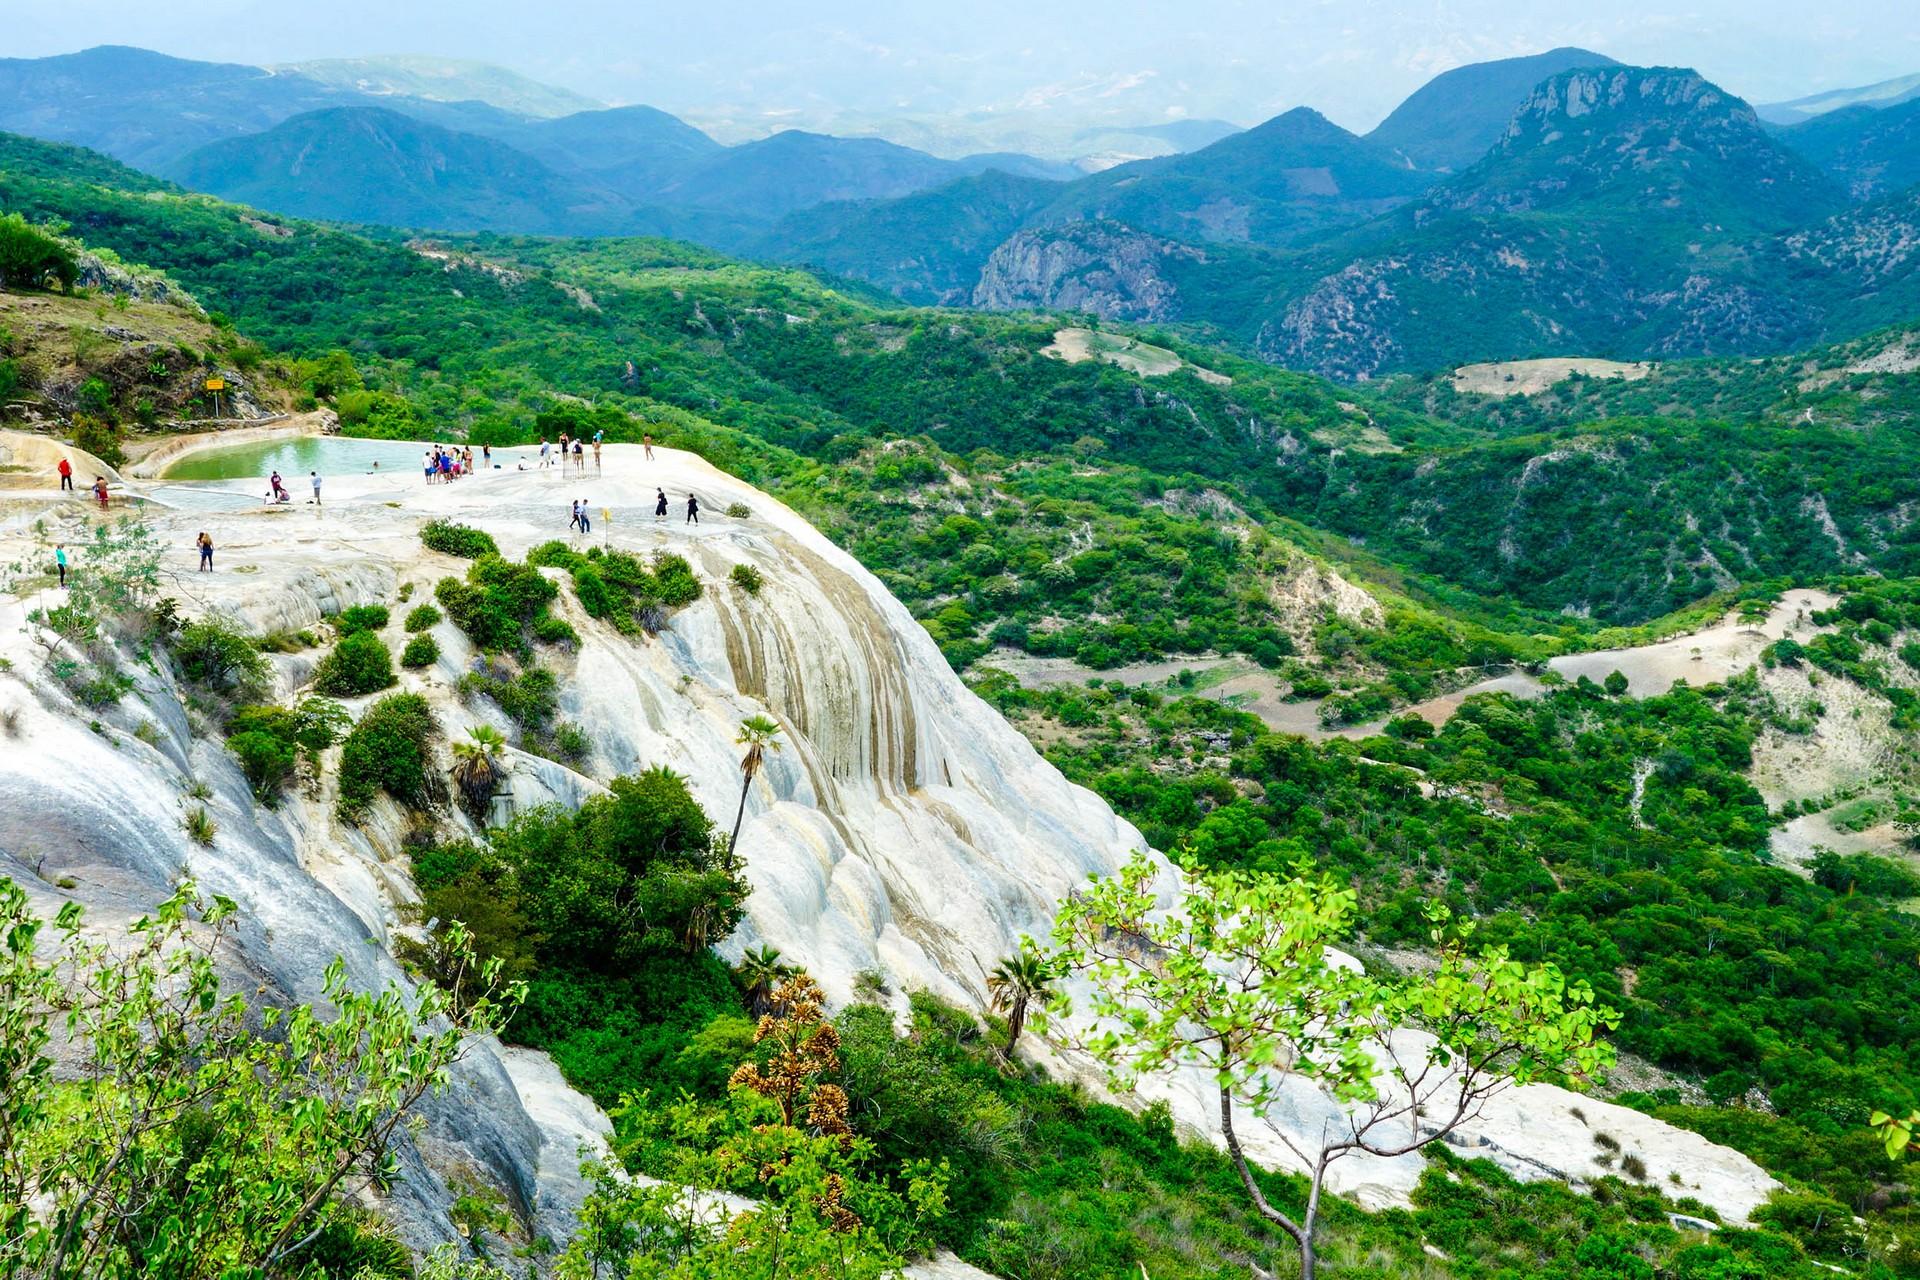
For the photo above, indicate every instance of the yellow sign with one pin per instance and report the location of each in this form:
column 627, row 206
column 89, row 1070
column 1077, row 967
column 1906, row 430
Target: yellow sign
column 216, row 384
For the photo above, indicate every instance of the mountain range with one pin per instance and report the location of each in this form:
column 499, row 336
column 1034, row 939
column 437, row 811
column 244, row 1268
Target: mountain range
column 1557, row 204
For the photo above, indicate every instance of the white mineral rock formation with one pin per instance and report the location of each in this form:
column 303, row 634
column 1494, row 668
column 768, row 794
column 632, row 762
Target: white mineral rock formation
column 904, row 826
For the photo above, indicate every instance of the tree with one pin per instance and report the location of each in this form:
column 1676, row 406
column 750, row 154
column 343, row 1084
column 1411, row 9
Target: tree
column 1615, row 684
column 1240, row 980
column 184, row 1142
column 760, row 971
column 634, row 872
column 30, row 256
column 1016, row 982
column 758, row 735
column 478, row 767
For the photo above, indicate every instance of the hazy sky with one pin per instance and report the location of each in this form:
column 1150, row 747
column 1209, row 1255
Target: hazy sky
column 759, row 63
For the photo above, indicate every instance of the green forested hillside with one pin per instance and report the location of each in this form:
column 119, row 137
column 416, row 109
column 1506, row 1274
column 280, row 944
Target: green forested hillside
column 796, row 381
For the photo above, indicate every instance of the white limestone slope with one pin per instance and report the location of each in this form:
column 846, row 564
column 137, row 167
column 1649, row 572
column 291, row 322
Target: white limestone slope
column 904, row 827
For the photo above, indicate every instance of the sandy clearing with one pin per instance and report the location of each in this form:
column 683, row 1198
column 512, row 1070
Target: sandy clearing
column 1531, row 377
column 1074, row 345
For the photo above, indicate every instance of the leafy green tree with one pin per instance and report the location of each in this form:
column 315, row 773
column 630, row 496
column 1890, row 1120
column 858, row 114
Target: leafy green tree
column 1241, row 980
column 30, row 257
column 1015, row 983
column 189, row 1143
column 220, row 658
column 634, row 871
column 758, row 735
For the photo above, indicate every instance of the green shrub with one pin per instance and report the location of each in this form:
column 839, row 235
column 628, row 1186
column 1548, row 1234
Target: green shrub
column 359, row 664
column 460, row 540
column 570, row 743
column 548, row 629
column 266, row 759
column 738, row 510
column 529, row 697
column 497, row 602
column 218, row 657
column 388, row 751
column 268, row 741
column 361, row 617
column 286, row 641
column 421, row 651
column 99, row 437
column 747, row 578
column 422, row 617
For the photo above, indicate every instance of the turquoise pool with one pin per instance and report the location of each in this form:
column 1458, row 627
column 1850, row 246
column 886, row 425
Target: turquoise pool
column 294, row 456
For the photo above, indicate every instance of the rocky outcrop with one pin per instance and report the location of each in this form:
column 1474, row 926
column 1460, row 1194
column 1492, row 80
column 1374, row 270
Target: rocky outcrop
column 105, row 273
column 1101, row 267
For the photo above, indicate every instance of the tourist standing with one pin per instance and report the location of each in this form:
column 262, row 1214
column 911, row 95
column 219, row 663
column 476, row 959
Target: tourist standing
column 646, row 443
column 315, row 477
column 693, row 509
column 573, row 521
column 205, row 543
column 596, row 454
column 60, row 561
column 586, row 517
column 660, row 507
column 66, row 474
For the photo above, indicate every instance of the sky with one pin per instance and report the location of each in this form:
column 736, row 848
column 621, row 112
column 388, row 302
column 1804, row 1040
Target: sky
column 743, row 67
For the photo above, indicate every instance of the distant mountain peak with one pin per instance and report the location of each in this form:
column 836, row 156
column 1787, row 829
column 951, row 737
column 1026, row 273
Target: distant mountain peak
column 1452, row 120
column 1675, row 93
column 1661, row 142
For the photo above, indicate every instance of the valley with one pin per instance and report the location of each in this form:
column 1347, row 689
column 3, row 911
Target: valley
column 1052, row 694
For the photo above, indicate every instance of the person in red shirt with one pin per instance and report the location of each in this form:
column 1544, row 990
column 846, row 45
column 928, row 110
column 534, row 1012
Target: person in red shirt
column 66, row 474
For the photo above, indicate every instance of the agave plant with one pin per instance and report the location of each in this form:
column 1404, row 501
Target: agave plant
column 478, row 767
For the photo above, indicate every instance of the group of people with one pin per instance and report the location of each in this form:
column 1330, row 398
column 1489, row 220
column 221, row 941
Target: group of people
column 575, row 448
column 66, row 486
column 277, row 488
column 447, row 465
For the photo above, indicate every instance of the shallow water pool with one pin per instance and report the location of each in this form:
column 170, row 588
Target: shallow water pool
column 294, row 456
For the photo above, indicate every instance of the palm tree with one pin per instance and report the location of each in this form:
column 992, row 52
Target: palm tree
column 760, row 971
column 478, row 768
column 758, row 735
column 1016, row 982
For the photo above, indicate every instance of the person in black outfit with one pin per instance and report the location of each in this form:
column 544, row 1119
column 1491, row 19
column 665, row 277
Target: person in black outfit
column 693, row 509
column 660, row 507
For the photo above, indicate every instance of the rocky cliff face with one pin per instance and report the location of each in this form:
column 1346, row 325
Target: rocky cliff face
column 1102, row 267
column 905, row 826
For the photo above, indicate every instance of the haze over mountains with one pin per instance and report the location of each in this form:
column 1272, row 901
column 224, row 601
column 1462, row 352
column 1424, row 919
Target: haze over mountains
column 1559, row 203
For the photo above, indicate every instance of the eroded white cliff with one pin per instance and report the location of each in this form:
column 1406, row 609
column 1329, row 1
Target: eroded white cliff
column 904, row 826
